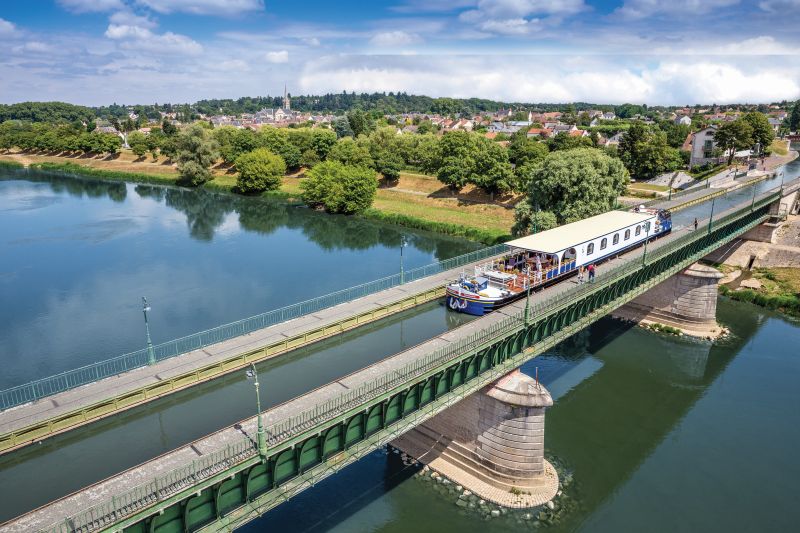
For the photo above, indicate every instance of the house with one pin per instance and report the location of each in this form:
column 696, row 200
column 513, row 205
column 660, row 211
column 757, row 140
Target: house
column 775, row 123
column 683, row 120
column 703, row 147
column 539, row 132
column 608, row 115
column 564, row 128
column 578, row 133
column 615, row 139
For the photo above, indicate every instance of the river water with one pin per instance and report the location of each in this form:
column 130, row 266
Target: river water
column 657, row 433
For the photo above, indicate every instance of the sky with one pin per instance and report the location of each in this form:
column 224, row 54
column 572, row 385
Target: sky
column 658, row 52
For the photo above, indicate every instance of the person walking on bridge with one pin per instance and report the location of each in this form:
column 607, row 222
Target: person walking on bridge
column 591, row 269
column 695, row 224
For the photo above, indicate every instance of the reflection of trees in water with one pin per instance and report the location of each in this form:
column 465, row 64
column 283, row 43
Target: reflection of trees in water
column 151, row 191
column 204, row 211
column 79, row 187
column 262, row 217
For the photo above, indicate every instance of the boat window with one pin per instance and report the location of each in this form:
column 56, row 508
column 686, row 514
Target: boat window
column 590, row 249
column 603, row 243
column 627, row 234
column 638, row 230
column 616, row 239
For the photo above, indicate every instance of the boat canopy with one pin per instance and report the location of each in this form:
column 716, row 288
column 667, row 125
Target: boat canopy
column 556, row 240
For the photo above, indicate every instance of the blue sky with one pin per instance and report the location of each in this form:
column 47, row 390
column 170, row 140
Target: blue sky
column 653, row 51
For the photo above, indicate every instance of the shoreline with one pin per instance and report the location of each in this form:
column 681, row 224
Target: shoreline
column 73, row 169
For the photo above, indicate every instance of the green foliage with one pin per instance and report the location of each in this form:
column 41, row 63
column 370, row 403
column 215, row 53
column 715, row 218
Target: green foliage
column 629, row 110
column 733, row 136
column 528, row 219
column 360, row 122
column 763, row 134
column 794, row 117
column 259, row 171
column 277, row 141
column 339, row 188
column 197, row 151
column 11, row 164
column 349, row 152
column 464, row 158
column 474, row 234
column 168, row 127
column 342, row 128
column 386, row 148
column 46, row 112
column 786, row 303
column 564, row 141
column 72, row 168
column 576, row 184
column 309, row 159
column 646, row 153
column 138, row 143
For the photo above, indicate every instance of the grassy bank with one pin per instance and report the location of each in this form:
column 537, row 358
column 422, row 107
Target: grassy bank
column 415, row 201
column 780, row 290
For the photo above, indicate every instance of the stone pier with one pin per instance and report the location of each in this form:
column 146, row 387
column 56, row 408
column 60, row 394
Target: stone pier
column 491, row 443
column 686, row 301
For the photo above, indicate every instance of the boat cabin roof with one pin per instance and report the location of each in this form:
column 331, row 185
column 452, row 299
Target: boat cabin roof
column 571, row 235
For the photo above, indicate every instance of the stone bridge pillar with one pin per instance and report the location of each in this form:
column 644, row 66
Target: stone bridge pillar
column 687, row 301
column 491, row 443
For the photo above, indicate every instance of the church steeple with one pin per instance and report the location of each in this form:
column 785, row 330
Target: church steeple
column 287, row 103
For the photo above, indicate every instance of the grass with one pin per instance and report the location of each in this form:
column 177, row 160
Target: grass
column 663, row 328
column 10, row 164
column 702, row 174
column 649, row 187
column 780, row 290
column 779, row 147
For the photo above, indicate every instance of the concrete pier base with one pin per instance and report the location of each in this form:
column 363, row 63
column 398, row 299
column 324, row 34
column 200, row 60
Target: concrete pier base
column 686, row 301
column 491, row 443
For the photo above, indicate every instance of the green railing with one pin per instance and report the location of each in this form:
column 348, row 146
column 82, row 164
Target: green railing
column 71, row 379
column 188, row 475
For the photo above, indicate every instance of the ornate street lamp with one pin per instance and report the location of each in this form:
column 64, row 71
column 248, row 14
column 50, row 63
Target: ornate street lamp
column 151, row 356
column 262, row 444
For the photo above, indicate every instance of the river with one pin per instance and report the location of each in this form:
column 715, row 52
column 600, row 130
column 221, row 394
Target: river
column 658, row 433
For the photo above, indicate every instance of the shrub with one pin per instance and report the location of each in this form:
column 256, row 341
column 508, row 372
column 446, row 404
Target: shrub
column 339, row 188
column 259, row 171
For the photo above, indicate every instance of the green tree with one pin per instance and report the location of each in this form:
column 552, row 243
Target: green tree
column 763, row 134
column 528, row 219
column 348, row 152
column 565, row 141
column 733, row 136
column 523, row 150
column 197, row 151
column 339, row 188
column 579, row 183
column 644, row 152
column 168, row 127
column 342, row 127
column 309, row 159
column 277, row 141
column 259, row 171
column 138, row 143
column 794, row 117
column 360, row 123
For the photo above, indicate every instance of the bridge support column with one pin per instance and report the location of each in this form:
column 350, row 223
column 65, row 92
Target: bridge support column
column 686, row 301
column 491, row 443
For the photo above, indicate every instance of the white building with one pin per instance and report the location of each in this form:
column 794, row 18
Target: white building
column 703, row 147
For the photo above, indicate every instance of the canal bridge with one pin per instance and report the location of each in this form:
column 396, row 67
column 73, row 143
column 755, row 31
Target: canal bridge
column 230, row 477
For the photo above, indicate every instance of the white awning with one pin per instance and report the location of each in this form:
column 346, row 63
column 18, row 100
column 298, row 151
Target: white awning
column 571, row 235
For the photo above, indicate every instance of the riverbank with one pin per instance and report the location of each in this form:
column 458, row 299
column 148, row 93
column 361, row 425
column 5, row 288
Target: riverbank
column 414, row 201
column 773, row 288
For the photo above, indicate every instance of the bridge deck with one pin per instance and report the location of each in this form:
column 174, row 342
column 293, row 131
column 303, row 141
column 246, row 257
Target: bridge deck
column 78, row 398
column 104, row 490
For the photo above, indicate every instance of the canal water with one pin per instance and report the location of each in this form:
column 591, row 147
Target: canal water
column 657, row 433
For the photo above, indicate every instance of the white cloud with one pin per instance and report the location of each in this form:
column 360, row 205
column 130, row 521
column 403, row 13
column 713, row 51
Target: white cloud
column 517, row 17
column 129, row 18
column 91, row 6
column 556, row 78
column 390, row 39
column 516, row 26
column 637, row 9
column 138, row 38
column 204, row 7
column 6, row 27
column 777, row 5
column 37, row 47
column 281, row 56
column 311, row 41
column 233, row 65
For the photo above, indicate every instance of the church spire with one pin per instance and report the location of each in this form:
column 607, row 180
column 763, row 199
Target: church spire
column 287, row 104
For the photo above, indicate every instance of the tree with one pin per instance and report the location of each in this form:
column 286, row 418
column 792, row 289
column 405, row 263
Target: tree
column 644, row 152
column 565, row 141
column 138, row 143
column 528, row 219
column 733, row 136
column 575, row 184
column 309, row 159
column 277, row 141
column 763, row 134
column 168, row 127
column 342, row 128
column 794, row 117
column 259, row 170
column 359, row 122
column 197, row 151
column 348, row 152
column 523, row 150
column 339, row 188
column 386, row 148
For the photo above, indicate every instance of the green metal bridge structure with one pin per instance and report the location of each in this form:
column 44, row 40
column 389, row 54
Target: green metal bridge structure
column 241, row 481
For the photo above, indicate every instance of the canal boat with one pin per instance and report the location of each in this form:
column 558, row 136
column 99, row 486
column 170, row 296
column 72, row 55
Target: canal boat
column 548, row 257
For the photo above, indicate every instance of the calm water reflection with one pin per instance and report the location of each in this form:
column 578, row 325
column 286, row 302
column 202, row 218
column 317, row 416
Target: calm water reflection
column 76, row 255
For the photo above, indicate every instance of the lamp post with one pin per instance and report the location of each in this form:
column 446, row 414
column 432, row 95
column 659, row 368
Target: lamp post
column 151, row 356
column 753, row 203
column 711, row 217
column 262, row 444
column 403, row 244
column 646, row 240
column 528, row 299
